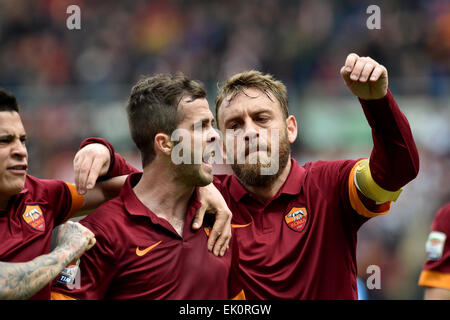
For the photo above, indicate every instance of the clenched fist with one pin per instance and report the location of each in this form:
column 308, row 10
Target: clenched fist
column 366, row 78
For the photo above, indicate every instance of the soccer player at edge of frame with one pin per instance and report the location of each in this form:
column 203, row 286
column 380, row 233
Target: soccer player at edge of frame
column 330, row 199
column 435, row 275
column 29, row 210
column 146, row 248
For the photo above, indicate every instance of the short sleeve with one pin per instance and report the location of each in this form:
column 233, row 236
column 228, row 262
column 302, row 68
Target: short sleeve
column 63, row 198
column 96, row 270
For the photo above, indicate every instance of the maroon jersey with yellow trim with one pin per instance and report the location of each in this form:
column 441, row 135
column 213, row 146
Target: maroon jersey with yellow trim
column 436, row 270
column 26, row 226
column 302, row 243
column 140, row 256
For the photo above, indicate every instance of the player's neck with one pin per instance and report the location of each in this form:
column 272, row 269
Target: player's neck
column 266, row 193
column 4, row 201
column 161, row 192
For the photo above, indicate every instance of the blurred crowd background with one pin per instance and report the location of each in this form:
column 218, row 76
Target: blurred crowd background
column 72, row 84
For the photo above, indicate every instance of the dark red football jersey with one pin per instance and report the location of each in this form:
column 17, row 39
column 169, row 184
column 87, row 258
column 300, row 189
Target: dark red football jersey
column 26, row 226
column 140, row 256
column 436, row 270
column 302, row 243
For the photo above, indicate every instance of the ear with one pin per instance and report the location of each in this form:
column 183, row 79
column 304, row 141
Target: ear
column 291, row 125
column 163, row 143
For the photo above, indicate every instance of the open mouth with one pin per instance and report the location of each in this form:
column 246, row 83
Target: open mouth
column 208, row 159
column 18, row 169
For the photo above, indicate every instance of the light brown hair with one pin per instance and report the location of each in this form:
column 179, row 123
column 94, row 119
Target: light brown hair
column 253, row 79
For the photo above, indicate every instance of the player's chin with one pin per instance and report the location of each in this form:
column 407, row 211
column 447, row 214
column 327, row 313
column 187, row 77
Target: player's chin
column 12, row 186
column 206, row 174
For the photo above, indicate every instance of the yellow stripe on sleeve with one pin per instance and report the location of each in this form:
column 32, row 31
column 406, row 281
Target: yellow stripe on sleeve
column 370, row 188
column 356, row 202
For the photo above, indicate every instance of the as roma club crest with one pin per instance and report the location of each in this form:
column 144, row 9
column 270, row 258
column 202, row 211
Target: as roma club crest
column 34, row 217
column 296, row 218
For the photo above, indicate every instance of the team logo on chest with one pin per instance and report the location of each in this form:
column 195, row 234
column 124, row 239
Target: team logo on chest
column 296, row 218
column 34, row 217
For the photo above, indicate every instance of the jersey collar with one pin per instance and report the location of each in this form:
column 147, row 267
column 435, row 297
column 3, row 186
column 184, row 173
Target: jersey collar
column 135, row 207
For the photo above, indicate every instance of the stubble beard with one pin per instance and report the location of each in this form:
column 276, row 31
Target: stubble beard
column 250, row 174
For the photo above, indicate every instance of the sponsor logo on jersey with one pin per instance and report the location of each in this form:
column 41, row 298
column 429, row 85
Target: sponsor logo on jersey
column 34, row 217
column 435, row 245
column 296, row 218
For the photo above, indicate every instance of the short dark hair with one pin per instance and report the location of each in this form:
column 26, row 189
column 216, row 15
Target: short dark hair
column 153, row 108
column 8, row 101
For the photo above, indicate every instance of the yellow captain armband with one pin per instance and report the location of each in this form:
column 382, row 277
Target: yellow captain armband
column 369, row 188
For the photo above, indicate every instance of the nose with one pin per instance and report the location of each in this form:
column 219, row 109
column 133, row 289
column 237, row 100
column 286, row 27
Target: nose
column 19, row 150
column 212, row 135
column 250, row 132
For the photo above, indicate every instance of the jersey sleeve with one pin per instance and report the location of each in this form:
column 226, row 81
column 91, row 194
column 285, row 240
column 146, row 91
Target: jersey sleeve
column 118, row 165
column 394, row 160
column 338, row 177
column 360, row 203
column 96, row 270
column 63, row 198
column 436, row 270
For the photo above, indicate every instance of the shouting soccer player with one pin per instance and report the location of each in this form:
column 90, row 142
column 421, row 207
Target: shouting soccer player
column 296, row 227
column 146, row 248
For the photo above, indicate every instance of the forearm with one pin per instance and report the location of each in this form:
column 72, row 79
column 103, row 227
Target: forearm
column 102, row 192
column 23, row 280
column 394, row 160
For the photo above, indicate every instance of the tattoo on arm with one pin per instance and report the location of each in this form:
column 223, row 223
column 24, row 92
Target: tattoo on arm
column 23, row 280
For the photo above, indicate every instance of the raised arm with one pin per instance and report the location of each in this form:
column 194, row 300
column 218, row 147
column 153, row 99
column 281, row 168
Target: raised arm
column 23, row 280
column 394, row 160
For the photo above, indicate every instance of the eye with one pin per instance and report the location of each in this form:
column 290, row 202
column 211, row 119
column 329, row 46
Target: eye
column 5, row 140
column 233, row 126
